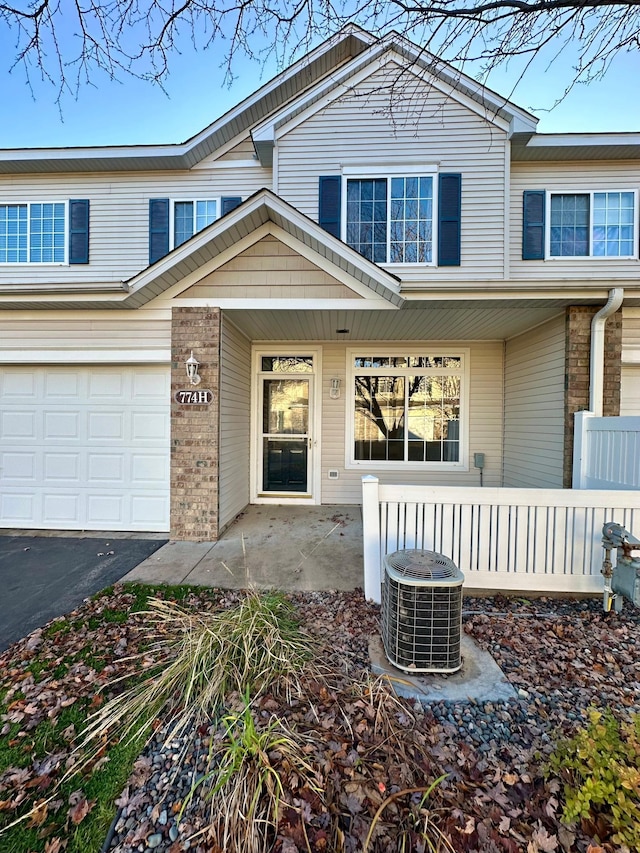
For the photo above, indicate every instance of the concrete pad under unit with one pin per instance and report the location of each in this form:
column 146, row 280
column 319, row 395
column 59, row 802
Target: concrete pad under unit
column 480, row 678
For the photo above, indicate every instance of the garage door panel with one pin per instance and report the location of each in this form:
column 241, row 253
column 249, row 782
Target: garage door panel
column 63, row 468
column 22, row 425
column 107, row 426
column 62, row 425
column 19, row 509
column 85, row 448
column 148, row 469
column 18, row 467
column 64, row 386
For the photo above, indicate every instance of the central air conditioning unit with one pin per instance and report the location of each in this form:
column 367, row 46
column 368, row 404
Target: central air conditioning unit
column 422, row 611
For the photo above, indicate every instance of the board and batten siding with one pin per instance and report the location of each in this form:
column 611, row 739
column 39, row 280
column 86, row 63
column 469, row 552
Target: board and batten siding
column 534, row 407
column 235, row 417
column 572, row 177
column 420, row 126
column 485, row 425
column 119, row 215
column 83, row 332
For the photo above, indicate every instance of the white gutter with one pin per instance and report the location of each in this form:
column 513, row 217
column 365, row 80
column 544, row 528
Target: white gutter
column 596, row 365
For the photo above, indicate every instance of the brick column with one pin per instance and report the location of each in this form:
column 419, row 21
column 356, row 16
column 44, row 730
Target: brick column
column 577, row 366
column 195, row 429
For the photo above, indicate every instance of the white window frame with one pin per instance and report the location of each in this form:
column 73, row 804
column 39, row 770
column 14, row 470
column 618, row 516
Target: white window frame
column 28, row 204
column 590, row 192
column 409, row 350
column 315, row 424
column 172, row 210
column 389, row 171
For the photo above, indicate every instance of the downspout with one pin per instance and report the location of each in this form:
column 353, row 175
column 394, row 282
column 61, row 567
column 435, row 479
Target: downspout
column 596, row 362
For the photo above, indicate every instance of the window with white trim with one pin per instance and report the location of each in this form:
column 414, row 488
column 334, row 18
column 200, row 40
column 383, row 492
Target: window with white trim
column 33, row 233
column 191, row 216
column 592, row 224
column 407, row 408
column 390, row 219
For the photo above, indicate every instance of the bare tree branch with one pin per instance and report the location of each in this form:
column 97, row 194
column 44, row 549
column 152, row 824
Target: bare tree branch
column 138, row 37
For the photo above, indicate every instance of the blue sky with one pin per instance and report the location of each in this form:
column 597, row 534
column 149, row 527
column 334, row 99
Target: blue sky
column 135, row 112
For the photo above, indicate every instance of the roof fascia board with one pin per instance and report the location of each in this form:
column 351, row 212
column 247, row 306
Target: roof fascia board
column 569, row 140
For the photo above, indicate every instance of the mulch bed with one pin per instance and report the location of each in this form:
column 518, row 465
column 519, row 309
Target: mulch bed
column 561, row 656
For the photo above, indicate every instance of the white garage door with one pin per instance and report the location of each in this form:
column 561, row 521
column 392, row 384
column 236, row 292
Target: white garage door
column 630, row 390
column 84, row 448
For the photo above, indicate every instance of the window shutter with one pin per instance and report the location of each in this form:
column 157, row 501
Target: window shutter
column 329, row 203
column 229, row 203
column 158, row 229
column 449, row 207
column 79, row 231
column 533, row 207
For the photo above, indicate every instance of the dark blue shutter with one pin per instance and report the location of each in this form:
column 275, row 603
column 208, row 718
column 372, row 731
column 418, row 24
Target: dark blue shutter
column 533, row 208
column 329, row 204
column 158, row 229
column 229, row 203
column 449, row 207
column 78, row 231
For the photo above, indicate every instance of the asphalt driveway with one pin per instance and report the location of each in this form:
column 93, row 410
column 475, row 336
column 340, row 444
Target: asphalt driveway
column 42, row 577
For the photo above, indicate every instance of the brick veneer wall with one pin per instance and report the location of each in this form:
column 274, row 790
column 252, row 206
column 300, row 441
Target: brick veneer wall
column 577, row 359
column 195, row 429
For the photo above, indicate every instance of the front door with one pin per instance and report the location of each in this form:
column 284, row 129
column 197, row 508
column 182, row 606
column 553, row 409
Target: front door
column 285, row 440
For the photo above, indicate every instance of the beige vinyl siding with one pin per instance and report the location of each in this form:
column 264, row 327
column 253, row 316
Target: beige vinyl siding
column 571, row 177
column 369, row 126
column 630, row 380
column 485, row 426
column 235, row 417
column 534, row 407
column 83, row 331
column 119, row 215
column 270, row 270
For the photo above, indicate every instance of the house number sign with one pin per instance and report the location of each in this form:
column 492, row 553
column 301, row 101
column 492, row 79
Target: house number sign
column 194, row 398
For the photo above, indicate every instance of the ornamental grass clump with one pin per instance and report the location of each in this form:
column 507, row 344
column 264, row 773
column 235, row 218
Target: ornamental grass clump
column 251, row 762
column 197, row 658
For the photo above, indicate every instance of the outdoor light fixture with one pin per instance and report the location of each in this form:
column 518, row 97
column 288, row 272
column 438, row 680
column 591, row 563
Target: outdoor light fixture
column 192, row 365
column 334, row 391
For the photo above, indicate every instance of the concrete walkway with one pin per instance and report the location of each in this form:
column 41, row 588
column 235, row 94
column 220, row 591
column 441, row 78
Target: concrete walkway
column 281, row 547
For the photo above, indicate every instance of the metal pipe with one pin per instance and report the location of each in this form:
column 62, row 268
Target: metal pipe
column 596, row 363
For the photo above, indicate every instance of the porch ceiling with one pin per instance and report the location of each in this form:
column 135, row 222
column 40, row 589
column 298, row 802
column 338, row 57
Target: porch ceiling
column 470, row 322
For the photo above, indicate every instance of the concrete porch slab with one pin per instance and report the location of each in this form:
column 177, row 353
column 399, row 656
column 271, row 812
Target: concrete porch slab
column 292, row 548
column 288, row 548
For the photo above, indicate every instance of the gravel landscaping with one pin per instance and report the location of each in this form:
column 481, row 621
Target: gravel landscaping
column 562, row 657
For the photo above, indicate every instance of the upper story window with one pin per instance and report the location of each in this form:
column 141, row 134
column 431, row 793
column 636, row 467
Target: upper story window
column 33, row 233
column 174, row 221
column 189, row 217
column 597, row 223
column 406, row 216
column 390, row 220
column 589, row 224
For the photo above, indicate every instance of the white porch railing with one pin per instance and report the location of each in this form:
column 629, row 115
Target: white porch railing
column 606, row 452
column 542, row 540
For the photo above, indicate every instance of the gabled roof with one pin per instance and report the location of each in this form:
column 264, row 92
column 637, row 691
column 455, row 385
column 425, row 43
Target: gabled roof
column 324, row 60
column 291, row 91
column 261, row 208
column 417, row 60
